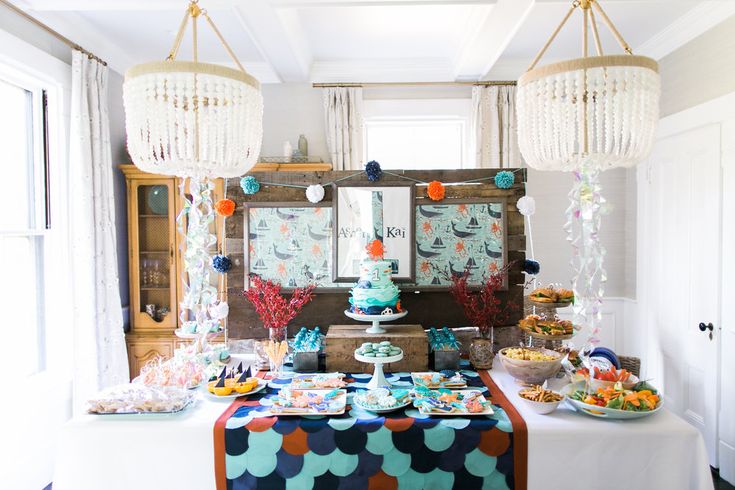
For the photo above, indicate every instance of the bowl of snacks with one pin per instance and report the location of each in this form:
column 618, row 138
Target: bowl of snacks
column 607, row 378
column 530, row 365
column 540, row 400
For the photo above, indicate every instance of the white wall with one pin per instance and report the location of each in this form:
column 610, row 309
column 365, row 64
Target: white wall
column 289, row 110
column 617, row 231
column 700, row 70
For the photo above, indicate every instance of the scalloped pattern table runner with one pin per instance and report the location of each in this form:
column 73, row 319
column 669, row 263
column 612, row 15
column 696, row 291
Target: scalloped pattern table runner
column 363, row 450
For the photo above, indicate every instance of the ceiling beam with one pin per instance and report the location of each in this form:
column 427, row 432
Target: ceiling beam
column 279, row 37
column 484, row 47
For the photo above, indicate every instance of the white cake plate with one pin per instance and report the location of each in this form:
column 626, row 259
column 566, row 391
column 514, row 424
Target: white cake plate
column 378, row 380
column 376, row 320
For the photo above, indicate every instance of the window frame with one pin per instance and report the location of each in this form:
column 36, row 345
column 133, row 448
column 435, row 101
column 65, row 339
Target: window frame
column 422, row 110
column 38, row 228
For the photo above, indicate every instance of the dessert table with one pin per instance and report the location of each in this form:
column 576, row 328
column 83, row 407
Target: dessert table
column 564, row 449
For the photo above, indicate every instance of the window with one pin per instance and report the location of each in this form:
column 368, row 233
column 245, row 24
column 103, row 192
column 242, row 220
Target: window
column 23, row 222
column 417, row 133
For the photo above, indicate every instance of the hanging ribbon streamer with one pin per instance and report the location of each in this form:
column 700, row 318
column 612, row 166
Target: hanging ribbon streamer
column 583, row 232
column 194, row 223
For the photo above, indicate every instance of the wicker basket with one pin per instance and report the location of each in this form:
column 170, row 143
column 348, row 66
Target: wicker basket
column 631, row 364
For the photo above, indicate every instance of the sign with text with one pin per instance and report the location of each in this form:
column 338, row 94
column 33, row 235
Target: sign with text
column 366, row 213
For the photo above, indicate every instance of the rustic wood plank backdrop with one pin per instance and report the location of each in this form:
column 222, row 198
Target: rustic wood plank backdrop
column 428, row 308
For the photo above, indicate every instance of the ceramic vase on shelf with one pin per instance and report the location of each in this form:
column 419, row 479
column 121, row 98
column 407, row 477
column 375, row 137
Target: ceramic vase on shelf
column 303, row 146
column 287, row 151
column 481, row 350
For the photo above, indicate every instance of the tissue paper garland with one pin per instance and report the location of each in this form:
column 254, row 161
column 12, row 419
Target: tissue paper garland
column 199, row 294
column 583, row 232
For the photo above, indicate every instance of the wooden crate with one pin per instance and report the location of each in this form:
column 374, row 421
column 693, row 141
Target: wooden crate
column 342, row 340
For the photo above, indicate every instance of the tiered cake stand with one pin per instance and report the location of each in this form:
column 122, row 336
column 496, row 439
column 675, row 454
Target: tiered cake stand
column 533, row 339
column 376, row 320
column 378, row 380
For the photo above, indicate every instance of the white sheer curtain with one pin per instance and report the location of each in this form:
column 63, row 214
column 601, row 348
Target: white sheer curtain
column 344, row 126
column 100, row 357
column 494, row 126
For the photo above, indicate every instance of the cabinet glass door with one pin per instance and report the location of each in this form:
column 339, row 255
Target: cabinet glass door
column 154, row 261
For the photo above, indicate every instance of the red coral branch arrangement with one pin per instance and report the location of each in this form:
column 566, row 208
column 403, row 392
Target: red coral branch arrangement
column 482, row 307
column 272, row 308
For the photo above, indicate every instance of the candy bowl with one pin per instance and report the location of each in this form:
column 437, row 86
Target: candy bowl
column 530, row 365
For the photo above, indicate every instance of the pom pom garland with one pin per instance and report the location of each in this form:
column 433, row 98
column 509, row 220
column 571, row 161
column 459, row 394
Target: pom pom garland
column 531, row 267
column 315, row 193
column 373, row 171
column 225, row 207
column 249, row 185
column 526, row 205
column 221, row 264
column 435, row 190
column 504, row 179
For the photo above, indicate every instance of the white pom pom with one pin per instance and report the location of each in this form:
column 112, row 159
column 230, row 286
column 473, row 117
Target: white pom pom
column 315, row 193
column 219, row 311
column 526, row 205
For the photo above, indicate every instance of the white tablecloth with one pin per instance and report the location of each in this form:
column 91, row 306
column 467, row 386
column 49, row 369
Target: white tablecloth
column 570, row 450
column 566, row 450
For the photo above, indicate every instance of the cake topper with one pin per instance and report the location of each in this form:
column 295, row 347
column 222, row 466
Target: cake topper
column 375, row 249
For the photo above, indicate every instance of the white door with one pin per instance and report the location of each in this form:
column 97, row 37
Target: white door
column 682, row 237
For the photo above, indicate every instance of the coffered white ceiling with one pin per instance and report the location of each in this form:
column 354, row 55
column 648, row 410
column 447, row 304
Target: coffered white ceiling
column 371, row 40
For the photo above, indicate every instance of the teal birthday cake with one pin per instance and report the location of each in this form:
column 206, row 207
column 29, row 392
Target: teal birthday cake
column 375, row 293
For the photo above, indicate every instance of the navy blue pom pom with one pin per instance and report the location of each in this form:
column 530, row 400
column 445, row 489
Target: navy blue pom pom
column 221, row 264
column 531, row 267
column 373, row 171
column 363, row 284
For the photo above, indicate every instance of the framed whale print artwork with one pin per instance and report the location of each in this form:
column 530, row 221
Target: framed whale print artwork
column 290, row 243
column 363, row 213
column 464, row 235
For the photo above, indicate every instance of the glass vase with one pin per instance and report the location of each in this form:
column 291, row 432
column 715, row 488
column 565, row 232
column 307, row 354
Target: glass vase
column 276, row 365
column 481, row 350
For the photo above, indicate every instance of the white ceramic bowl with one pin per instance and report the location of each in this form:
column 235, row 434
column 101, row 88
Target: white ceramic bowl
column 599, row 383
column 531, row 372
column 542, row 408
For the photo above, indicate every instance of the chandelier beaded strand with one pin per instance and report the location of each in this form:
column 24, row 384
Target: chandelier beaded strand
column 197, row 121
column 587, row 115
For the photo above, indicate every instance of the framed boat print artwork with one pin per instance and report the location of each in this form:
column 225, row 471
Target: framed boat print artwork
column 451, row 238
column 290, row 243
column 363, row 213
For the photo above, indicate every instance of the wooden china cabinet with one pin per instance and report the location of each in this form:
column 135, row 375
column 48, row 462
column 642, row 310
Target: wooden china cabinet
column 156, row 262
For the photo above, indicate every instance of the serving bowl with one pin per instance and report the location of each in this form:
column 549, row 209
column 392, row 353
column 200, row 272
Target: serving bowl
column 531, row 372
column 599, row 383
column 542, row 408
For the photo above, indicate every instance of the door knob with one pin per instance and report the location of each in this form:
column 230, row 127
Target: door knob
column 704, row 327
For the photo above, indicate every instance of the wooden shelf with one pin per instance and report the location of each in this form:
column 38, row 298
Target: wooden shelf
column 142, row 252
column 153, row 216
column 292, row 167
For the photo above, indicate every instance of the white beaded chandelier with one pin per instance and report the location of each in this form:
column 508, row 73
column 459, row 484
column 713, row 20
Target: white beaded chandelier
column 595, row 110
column 193, row 119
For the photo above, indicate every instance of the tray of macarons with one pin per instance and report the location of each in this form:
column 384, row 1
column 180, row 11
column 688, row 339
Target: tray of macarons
column 378, row 352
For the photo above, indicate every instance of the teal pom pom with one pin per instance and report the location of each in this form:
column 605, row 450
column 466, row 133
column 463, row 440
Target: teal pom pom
column 504, row 179
column 249, row 185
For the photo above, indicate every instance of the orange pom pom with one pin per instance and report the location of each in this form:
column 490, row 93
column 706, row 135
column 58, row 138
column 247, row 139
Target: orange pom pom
column 225, row 207
column 435, row 190
column 375, row 249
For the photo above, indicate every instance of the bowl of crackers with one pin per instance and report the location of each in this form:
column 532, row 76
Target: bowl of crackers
column 541, row 400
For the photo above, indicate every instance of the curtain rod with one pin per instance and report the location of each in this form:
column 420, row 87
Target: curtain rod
column 54, row 33
column 411, row 84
